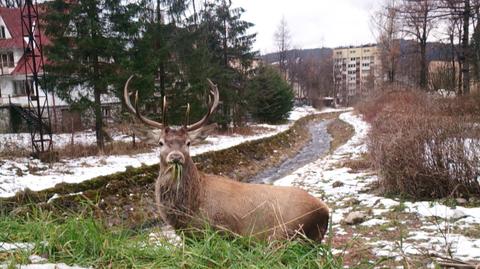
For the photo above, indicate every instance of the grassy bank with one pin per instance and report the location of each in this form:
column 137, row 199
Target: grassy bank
column 84, row 240
column 116, row 197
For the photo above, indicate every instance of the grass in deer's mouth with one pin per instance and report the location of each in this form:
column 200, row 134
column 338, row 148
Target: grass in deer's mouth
column 177, row 170
column 80, row 239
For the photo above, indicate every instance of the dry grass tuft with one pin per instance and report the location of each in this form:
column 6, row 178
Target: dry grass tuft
column 360, row 164
column 113, row 148
column 340, row 132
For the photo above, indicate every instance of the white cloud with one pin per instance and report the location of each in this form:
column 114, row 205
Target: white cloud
column 312, row 23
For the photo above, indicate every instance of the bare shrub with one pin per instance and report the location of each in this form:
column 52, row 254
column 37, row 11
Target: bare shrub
column 424, row 150
column 392, row 99
column 114, row 148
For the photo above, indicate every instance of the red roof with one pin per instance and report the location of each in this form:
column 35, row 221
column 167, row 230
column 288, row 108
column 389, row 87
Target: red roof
column 13, row 21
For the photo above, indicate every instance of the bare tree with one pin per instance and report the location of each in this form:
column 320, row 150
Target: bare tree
column 418, row 19
column 388, row 33
column 282, row 40
column 461, row 14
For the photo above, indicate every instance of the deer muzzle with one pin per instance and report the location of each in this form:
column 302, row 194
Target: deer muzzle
column 175, row 157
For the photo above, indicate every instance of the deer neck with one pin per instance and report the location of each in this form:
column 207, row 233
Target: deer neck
column 178, row 198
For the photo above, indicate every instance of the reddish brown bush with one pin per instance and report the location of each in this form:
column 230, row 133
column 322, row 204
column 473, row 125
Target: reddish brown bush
column 422, row 149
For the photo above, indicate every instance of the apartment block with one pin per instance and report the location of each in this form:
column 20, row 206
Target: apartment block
column 354, row 71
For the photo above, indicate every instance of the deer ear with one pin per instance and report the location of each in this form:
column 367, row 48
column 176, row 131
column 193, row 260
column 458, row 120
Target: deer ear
column 201, row 134
column 150, row 137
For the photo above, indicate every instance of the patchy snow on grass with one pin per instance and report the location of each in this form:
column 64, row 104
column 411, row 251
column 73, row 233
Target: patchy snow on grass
column 345, row 191
column 42, row 266
column 5, row 247
column 23, row 140
column 19, row 173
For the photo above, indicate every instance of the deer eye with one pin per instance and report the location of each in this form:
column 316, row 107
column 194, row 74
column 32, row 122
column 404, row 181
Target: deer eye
column 188, row 143
column 160, row 143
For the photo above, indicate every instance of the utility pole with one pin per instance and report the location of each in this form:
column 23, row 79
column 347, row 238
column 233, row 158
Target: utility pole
column 38, row 108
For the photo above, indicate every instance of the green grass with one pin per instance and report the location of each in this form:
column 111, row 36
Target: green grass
column 83, row 240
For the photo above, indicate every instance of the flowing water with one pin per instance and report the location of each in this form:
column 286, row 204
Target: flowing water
column 317, row 147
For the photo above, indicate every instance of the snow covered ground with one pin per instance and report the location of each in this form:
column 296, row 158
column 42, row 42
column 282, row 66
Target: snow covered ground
column 433, row 227
column 19, row 173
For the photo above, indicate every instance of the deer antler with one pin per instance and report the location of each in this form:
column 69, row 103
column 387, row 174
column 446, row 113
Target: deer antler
column 213, row 99
column 147, row 121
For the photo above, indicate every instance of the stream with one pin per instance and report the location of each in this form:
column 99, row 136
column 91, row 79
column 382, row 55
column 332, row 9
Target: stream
column 317, row 147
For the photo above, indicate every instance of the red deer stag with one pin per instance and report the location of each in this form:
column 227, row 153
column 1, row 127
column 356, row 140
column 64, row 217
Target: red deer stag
column 190, row 199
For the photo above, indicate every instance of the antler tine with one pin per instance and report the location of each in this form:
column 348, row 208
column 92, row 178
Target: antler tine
column 187, row 115
column 213, row 100
column 128, row 103
column 164, row 110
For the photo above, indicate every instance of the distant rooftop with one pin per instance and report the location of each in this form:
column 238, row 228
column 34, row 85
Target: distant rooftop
column 354, row 47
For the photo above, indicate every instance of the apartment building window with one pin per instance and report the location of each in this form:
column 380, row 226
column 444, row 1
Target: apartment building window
column 352, row 51
column 352, row 59
column 107, row 112
column 339, row 53
column 2, row 32
column 20, row 87
column 7, row 59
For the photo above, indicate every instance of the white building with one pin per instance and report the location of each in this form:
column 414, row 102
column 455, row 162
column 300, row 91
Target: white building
column 354, row 71
column 13, row 81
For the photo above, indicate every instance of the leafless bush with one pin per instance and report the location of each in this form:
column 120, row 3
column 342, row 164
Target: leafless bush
column 113, row 148
column 422, row 149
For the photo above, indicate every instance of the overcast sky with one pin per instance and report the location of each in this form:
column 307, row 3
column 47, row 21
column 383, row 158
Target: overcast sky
column 312, row 23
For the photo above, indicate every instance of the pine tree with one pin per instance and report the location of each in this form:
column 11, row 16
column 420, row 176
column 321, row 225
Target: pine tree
column 231, row 50
column 270, row 96
column 89, row 43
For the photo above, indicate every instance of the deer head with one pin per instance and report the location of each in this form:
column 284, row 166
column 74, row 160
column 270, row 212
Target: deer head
column 175, row 143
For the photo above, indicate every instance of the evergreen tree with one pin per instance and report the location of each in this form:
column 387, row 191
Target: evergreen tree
column 89, row 44
column 172, row 61
column 231, row 52
column 270, row 96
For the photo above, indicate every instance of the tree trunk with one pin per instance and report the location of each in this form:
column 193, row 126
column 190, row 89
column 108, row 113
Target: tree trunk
column 226, row 106
column 98, row 118
column 465, row 48
column 452, row 58
column 96, row 87
column 423, row 64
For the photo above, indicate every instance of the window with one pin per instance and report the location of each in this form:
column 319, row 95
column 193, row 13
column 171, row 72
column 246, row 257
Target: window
column 107, row 112
column 2, row 32
column 352, row 51
column 20, row 87
column 7, row 59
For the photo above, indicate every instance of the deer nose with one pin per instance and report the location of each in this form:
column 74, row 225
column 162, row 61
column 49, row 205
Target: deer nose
column 175, row 157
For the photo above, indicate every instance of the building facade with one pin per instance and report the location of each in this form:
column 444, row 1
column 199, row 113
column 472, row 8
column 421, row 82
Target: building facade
column 14, row 86
column 354, row 71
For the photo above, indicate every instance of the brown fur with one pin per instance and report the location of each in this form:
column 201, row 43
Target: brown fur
column 196, row 200
column 262, row 211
